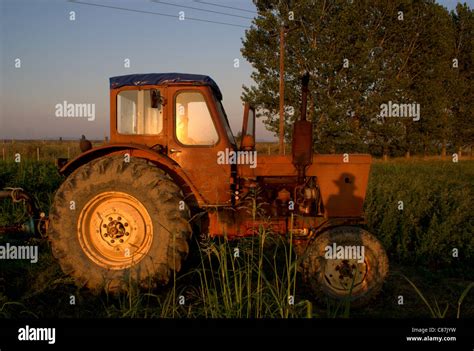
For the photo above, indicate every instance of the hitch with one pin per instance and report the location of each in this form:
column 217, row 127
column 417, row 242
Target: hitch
column 37, row 223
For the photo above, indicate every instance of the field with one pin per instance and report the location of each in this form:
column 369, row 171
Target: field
column 436, row 218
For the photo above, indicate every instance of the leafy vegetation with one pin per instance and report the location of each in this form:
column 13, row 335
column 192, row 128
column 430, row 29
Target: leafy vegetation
column 437, row 199
column 419, row 239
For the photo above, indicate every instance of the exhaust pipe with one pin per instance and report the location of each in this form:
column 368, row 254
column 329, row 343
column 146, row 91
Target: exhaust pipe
column 302, row 143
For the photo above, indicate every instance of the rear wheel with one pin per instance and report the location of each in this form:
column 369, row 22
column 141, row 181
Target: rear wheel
column 116, row 223
column 345, row 263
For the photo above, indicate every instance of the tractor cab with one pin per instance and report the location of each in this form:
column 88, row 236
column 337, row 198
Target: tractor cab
column 180, row 115
column 149, row 108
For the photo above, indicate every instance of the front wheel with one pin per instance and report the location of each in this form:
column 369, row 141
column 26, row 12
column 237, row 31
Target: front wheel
column 345, row 263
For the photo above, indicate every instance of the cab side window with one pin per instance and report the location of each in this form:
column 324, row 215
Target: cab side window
column 193, row 120
column 139, row 112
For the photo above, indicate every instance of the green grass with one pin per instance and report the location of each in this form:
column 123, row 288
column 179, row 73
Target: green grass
column 438, row 202
column 437, row 217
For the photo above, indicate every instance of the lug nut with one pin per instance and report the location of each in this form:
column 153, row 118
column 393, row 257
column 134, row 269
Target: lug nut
column 126, row 224
column 104, row 225
column 127, row 234
column 106, row 234
column 119, row 218
column 121, row 240
column 110, row 219
column 112, row 241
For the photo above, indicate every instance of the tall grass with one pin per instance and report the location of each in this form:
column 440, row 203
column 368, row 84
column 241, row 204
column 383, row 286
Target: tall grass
column 259, row 282
column 435, row 310
column 262, row 281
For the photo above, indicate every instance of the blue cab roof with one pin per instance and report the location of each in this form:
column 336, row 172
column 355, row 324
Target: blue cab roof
column 163, row 78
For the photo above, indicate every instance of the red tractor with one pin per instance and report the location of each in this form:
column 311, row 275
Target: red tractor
column 124, row 211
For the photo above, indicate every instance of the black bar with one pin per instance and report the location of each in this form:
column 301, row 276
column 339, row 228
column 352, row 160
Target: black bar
column 367, row 334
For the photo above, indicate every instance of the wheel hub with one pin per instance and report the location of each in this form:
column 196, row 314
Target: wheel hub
column 115, row 230
column 344, row 274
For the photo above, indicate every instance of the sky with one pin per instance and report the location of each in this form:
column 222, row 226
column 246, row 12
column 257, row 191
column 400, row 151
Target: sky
column 64, row 60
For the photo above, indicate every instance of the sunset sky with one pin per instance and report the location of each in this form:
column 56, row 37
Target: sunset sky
column 63, row 60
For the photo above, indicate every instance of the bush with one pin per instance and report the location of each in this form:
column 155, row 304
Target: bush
column 437, row 211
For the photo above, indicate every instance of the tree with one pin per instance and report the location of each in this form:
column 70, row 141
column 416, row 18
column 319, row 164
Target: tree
column 462, row 93
column 361, row 54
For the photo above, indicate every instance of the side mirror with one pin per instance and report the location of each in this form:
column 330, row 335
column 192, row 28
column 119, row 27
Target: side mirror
column 248, row 128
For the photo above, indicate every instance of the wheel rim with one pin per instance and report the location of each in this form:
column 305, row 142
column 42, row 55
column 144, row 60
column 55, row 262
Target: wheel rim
column 341, row 275
column 115, row 230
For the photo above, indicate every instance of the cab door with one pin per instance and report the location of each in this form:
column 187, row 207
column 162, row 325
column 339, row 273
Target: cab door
column 196, row 138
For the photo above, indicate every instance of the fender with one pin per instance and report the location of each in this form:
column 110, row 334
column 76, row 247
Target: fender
column 141, row 151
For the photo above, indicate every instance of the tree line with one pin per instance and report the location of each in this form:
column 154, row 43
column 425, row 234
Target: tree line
column 362, row 57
